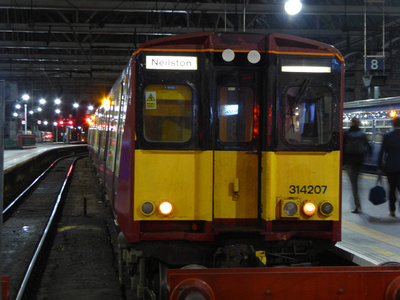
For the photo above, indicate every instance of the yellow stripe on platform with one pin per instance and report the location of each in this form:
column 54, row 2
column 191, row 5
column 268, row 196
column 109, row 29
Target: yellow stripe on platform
column 372, row 176
column 371, row 233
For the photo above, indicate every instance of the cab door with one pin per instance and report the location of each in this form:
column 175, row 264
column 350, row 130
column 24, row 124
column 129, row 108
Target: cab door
column 236, row 171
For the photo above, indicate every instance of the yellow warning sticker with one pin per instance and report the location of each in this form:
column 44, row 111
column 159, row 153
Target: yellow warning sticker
column 151, row 100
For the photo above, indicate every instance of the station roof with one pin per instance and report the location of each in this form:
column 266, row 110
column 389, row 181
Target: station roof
column 76, row 49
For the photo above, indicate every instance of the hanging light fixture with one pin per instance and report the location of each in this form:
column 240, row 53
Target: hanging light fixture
column 293, row 7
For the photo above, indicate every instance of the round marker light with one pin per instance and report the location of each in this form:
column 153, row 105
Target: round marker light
column 290, row 208
column 326, row 208
column 147, row 208
column 309, row 208
column 253, row 56
column 228, row 55
column 165, row 208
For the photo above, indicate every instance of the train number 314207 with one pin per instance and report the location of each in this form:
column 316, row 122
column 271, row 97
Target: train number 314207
column 308, row 189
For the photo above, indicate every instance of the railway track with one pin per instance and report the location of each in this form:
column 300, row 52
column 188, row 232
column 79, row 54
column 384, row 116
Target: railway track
column 29, row 224
column 82, row 263
column 78, row 260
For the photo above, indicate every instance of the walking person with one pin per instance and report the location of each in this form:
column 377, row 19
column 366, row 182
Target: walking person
column 389, row 162
column 355, row 145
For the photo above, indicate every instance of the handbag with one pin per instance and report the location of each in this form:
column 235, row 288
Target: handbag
column 377, row 195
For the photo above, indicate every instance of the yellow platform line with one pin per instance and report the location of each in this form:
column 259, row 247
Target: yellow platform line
column 371, row 233
column 371, row 176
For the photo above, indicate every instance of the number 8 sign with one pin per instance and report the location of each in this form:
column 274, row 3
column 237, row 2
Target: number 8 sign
column 374, row 64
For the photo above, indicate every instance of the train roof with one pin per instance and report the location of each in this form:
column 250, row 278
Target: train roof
column 210, row 40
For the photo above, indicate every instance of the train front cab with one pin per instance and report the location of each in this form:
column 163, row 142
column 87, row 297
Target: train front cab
column 277, row 166
column 239, row 142
column 240, row 136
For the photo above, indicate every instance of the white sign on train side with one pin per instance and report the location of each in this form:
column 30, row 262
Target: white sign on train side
column 171, row 62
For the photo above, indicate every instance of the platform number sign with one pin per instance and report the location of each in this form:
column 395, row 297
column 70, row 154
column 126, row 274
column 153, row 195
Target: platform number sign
column 374, row 64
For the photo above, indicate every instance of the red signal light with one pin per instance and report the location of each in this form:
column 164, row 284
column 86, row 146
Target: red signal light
column 61, row 122
column 70, row 122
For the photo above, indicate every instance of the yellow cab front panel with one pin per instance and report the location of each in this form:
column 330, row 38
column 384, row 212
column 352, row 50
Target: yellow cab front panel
column 235, row 185
column 182, row 178
column 309, row 176
column 172, row 181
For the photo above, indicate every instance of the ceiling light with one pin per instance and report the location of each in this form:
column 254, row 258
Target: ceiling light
column 293, row 7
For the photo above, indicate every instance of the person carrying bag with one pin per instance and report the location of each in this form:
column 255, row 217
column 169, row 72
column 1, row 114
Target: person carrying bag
column 389, row 161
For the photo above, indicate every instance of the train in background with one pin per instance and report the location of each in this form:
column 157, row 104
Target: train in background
column 376, row 116
column 221, row 157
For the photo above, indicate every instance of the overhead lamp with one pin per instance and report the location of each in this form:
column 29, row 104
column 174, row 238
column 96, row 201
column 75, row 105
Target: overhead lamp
column 106, row 103
column 293, row 7
column 25, row 97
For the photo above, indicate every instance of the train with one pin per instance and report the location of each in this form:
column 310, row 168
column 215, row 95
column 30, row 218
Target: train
column 376, row 116
column 220, row 154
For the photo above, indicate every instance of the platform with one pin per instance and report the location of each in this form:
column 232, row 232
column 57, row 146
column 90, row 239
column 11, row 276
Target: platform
column 17, row 156
column 372, row 236
column 23, row 165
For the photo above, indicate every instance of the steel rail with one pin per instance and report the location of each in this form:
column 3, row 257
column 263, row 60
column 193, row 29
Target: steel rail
column 31, row 186
column 47, row 230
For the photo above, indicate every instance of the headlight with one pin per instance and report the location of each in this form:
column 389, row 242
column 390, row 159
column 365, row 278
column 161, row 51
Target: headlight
column 326, row 208
column 309, row 208
column 165, row 208
column 147, row 208
column 290, row 207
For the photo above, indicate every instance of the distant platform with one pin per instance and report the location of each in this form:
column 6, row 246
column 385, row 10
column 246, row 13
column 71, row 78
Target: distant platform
column 17, row 156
